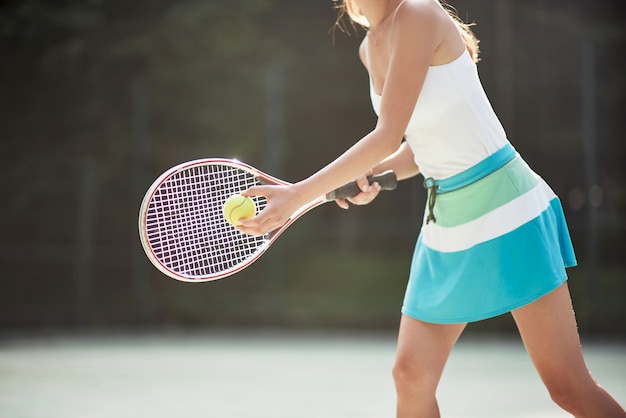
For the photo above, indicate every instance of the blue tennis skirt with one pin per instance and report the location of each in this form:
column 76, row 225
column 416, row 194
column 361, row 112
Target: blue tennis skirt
column 496, row 239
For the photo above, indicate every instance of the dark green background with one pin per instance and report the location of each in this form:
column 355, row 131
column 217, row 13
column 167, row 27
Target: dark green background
column 98, row 97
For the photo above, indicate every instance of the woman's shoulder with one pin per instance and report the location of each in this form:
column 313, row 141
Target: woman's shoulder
column 423, row 21
column 410, row 11
column 420, row 8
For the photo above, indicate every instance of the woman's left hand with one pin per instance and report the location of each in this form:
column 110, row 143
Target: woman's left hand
column 282, row 202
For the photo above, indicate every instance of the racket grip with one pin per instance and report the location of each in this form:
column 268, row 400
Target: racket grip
column 386, row 180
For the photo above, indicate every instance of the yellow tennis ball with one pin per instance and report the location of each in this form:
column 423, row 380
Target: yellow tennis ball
column 238, row 207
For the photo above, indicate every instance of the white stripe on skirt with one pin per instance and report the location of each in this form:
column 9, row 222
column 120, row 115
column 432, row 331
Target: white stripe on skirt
column 493, row 224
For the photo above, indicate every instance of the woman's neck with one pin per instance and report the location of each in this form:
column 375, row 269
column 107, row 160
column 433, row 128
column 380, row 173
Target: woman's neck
column 376, row 11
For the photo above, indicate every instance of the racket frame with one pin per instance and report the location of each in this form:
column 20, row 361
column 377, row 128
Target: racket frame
column 268, row 239
column 387, row 180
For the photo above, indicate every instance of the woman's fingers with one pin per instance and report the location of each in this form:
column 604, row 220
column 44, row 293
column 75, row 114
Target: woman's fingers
column 274, row 215
column 367, row 196
column 364, row 184
column 342, row 203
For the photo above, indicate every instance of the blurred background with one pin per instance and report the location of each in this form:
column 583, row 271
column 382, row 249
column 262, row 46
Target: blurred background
column 98, row 97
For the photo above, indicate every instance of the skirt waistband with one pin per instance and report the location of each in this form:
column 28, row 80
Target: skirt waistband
column 487, row 166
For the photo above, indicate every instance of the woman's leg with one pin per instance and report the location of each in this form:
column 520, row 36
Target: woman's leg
column 548, row 329
column 423, row 349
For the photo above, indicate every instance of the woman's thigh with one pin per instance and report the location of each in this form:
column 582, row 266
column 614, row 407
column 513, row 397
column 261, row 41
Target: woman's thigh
column 550, row 334
column 423, row 349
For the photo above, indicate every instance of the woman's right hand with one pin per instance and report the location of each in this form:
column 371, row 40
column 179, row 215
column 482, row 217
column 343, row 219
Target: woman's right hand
column 367, row 194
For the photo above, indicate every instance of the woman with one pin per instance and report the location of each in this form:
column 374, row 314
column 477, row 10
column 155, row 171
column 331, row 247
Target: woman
column 494, row 238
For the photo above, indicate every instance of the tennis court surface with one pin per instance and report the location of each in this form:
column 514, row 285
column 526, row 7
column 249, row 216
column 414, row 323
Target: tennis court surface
column 241, row 374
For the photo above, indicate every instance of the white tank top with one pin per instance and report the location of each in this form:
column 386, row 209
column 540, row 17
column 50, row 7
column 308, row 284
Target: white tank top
column 453, row 125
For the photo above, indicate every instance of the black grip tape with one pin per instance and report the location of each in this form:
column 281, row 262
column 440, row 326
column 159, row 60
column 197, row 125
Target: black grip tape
column 386, row 180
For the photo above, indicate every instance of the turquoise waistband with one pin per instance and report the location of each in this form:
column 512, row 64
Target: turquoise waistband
column 485, row 167
column 465, row 178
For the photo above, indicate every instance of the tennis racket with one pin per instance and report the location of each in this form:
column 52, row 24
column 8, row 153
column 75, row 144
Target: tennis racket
column 182, row 228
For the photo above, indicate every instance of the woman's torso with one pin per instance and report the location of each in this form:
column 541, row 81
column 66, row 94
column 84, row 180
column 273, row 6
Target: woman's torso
column 453, row 125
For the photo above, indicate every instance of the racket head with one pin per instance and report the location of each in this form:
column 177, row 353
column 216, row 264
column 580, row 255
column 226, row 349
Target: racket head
column 181, row 225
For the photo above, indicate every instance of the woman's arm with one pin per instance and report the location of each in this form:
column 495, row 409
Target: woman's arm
column 400, row 162
column 413, row 38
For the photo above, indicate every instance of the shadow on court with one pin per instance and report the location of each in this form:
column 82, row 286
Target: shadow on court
column 267, row 374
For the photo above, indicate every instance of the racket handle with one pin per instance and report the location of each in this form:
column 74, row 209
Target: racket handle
column 386, row 180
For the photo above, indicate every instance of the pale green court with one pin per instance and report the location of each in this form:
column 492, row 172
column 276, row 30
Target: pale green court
column 241, row 374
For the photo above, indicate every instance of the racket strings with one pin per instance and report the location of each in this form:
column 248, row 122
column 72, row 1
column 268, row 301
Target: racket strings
column 186, row 229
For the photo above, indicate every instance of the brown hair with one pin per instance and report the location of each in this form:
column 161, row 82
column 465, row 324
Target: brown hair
column 347, row 7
